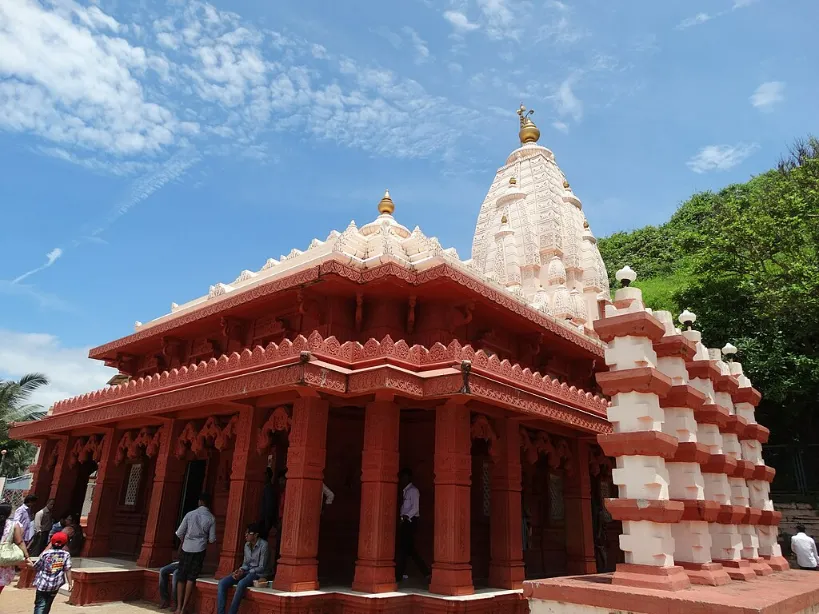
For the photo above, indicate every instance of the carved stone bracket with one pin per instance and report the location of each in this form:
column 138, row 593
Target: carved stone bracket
column 134, row 443
column 85, row 449
column 539, row 444
column 481, row 429
column 56, row 453
column 212, row 435
column 599, row 463
column 279, row 420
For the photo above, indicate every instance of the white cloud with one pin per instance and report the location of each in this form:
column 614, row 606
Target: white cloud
column 738, row 4
column 51, row 258
column 696, row 20
column 721, row 157
column 418, row 44
column 561, row 127
column 500, row 19
column 768, row 94
column 69, row 369
column 460, row 22
column 566, row 101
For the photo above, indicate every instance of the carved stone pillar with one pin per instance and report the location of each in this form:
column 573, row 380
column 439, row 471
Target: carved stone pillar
column 64, row 476
column 506, row 540
column 43, row 468
column 375, row 567
column 451, row 569
column 106, row 492
column 577, row 497
column 163, row 513
column 246, row 483
column 298, row 566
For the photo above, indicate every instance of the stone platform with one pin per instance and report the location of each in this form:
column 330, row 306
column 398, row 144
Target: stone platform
column 787, row 592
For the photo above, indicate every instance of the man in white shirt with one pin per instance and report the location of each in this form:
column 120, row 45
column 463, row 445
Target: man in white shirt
column 804, row 548
column 198, row 529
column 408, row 524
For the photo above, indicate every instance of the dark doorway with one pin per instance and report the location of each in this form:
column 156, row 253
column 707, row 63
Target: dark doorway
column 192, row 486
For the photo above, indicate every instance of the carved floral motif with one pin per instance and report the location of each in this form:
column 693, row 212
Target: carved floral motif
column 134, row 443
column 537, row 444
column 279, row 420
column 481, row 429
column 212, row 434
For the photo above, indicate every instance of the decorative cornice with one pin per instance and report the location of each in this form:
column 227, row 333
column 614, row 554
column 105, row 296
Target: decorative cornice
column 333, row 267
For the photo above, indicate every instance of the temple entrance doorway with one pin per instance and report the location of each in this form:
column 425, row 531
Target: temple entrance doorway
column 192, row 487
column 78, row 494
column 480, row 510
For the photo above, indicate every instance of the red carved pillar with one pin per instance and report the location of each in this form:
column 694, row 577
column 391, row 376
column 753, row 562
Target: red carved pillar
column 64, row 477
column 506, row 530
column 246, row 483
column 298, row 566
column 451, row 570
column 163, row 513
column 375, row 567
column 42, row 469
column 577, row 501
column 106, row 492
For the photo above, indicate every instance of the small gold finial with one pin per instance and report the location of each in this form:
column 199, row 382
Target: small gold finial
column 386, row 206
column 512, row 181
column 529, row 133
column 503, row 219
column 585, row 223
column 566, row 183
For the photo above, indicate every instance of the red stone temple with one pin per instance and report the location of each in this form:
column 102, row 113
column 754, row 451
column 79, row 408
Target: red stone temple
column 370, row 351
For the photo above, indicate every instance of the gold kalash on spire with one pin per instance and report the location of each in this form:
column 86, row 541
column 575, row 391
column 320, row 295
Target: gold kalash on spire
column 529, row 133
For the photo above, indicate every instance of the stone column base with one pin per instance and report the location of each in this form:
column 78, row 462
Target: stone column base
column 451, row 579
column 709, row 574
column 374, row 577
column 509, row 576
column 647, row 576
column 297, row 574
column 738, row 570
column 760, row 567
column 777, row 563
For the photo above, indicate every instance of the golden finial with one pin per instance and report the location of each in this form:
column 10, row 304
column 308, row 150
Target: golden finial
column 528, row 133
column 566, row 184
column 512, row 181
column 503, row 219
column 585, row 223
column 386, row 206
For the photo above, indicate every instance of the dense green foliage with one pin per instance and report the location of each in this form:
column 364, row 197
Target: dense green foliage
column 746, row 261
column 14, row 408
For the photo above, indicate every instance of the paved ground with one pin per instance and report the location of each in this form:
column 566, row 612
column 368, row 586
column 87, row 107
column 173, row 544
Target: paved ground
column 21, row 601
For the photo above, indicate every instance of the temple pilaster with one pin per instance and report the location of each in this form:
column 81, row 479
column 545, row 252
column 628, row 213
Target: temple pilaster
column 110, row 477
column 375, row 566
column 451, row 569
column 297, row 569
column 577, row 497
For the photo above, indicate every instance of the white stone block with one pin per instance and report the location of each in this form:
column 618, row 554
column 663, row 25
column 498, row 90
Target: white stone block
column 717, row 488
column 726, row 543
column 641, row 477
column 768, row 545
column 724, row 399
column 750, row 542
column 752, row 451
column 630, row 353
column 635, row 411
column 647, row 543
column 673, row 367
column 685, row 481
column 759, row 492
column 704, row 386
column 745, row 410
column 709, row 435
column 730, row 446
column 692, row 542
column 739, row 492
column 680, row 423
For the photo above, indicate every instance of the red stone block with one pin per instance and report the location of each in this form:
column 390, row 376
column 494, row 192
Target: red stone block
column 665, row 511
column 700, row 510
column 647, row 576
column 639, row 379
column 640, row 443
column 738, row 570
column 637, row 324
column 691, row 452
column 675, row 345
column 707, row 574
column 683, row 395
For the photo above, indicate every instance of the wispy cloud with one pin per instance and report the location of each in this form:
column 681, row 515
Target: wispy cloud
column 768, row 94
column 500, row 19
column 561, row 127
column 721, row 157
column 566, row 102
column 419, row 45
column 701, row 18
column 45, row 300
column 460, row 23
column 51, row 258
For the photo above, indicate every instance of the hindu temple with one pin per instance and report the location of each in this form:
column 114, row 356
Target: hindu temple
column 572, row 450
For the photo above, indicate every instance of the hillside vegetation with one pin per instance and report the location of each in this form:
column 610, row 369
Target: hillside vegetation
column 746, row 261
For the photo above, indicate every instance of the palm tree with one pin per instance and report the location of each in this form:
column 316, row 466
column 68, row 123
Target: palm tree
column 15, row 408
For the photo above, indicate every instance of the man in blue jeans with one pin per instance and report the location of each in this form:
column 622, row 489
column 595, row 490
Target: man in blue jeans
column 168, row 600
column 253, row 565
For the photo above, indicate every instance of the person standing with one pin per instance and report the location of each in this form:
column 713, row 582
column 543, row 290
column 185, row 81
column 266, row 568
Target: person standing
column 198, row 529
column 10, row 531
column 53, row 569
column 253, row 566
column 23, row 516
column 408, row 525
column 42, row 527
column 804, row 547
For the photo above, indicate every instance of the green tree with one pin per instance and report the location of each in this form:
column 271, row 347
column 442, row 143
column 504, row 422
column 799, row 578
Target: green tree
column 745, row 260
column 14, row 407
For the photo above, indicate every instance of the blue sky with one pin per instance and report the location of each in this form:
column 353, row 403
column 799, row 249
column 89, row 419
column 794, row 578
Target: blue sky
column 151, row 149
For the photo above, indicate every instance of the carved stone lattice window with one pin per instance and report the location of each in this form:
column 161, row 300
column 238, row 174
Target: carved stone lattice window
column 487, row 491
column 134, row 480
column 557, row 510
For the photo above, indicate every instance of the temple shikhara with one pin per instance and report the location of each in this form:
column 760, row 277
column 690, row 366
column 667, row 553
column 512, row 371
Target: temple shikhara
column 552, row 430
